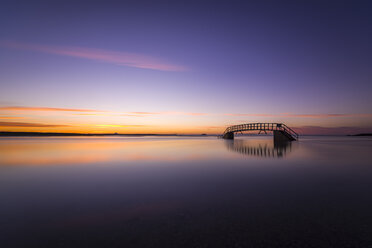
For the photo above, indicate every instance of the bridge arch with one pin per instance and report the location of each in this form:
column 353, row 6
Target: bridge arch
column 281, row 131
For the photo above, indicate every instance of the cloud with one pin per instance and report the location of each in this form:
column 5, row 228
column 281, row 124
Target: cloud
column 325, row 115
column 23, row 108
column 253, row 115
column 144, row 114
column 11, row 117
column 27, row 124
column 140, row 114
column 289, row 115
column 194, row 114
column 318, row 130
column 116, row 125
column 107, row 56
column 83, row 114
column 182, row 113
column 94, row 112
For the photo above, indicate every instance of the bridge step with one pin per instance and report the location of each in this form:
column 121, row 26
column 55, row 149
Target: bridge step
column 282, row 136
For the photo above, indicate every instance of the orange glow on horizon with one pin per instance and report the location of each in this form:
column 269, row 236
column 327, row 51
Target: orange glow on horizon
column 91, row 121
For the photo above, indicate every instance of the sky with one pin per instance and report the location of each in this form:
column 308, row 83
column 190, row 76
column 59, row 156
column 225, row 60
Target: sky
column 185, row 67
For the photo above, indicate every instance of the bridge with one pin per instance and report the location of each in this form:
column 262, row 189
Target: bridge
column 282, row 133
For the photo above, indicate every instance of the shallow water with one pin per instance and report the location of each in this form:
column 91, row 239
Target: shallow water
column 185, row 192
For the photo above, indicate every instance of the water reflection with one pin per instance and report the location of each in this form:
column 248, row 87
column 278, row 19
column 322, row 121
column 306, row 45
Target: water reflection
column 185, row 192
column 261, row 148
column 72, row 151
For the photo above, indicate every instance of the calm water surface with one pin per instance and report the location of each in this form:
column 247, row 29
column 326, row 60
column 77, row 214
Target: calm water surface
column 185, row 192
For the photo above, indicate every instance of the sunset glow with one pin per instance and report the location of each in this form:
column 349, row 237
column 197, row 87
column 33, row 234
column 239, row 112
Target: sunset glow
column 51, row 119
column 174, row 77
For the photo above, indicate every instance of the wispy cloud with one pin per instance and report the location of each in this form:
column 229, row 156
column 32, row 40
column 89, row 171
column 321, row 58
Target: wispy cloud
column 11, row 117
column 95, row 112
column 23, row 108
column 325, row 115
column 116, row 125
column 290, row 115
column 139, row 114
column 107, row 56
column 188, row 113
column 144, row 114
column 27, row 124
column 318, row 130
column 253, row 115
column 84, row 114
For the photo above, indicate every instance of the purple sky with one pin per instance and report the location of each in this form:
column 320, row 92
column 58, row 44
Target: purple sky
column 197, row 65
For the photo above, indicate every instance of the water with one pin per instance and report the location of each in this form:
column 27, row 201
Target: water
column 185, row 192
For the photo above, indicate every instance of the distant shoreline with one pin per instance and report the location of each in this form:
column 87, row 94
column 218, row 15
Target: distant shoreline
column 41, row 134
column 361, row 134
column 48, row 134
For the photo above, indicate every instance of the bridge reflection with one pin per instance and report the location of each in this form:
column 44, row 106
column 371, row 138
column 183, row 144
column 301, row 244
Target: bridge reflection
column 259, row 148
